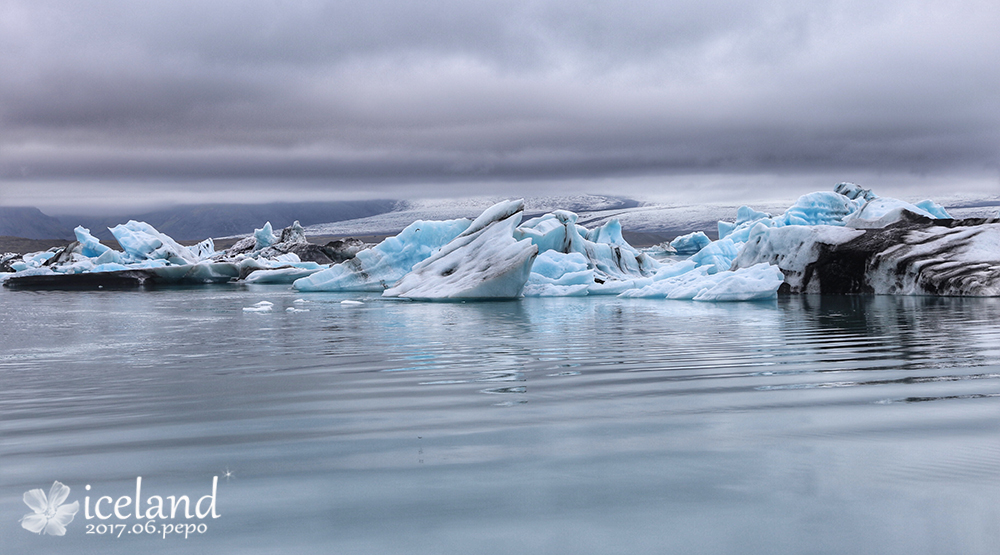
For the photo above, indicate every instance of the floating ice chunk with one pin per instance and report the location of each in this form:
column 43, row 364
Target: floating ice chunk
column 300, row 301
column 744, row 216
column 683, row 286
column 820, row 208
column 881, row 212
column 381, row 266
column 35, row 259
column 262, row 306
column 603, row 248
column 90, row 246
column 742, row 233
column 351, row 303
column 793, row 249
column 107, row 257
column 854, row 191
column 264, row 237
column 293, row 309
column 280, row 275
column 911, row 257
column 609, row 233
column 660, row 251
column 552, row 232
column 485, row 261
column 718, row 256
column 674, row 270
column 690, row 243
column 142, row 241
column 203, row 250
column 759, row 282
column 963, row 260
column 560, row 268
column 936, row 211
column 746, row 284
column 558, row 274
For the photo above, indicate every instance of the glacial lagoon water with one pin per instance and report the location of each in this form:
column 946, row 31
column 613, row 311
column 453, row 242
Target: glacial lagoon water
column 570, row 425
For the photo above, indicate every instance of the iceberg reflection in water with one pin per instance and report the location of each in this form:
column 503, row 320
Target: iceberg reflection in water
column 557, row 425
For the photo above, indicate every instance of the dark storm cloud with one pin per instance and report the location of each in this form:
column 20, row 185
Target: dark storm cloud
column 343, row 94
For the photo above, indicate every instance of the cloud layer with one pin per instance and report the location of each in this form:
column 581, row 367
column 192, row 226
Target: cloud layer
column 350, row 97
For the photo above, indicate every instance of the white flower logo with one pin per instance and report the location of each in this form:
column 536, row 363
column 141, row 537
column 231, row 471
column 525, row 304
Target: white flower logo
column 50, row 515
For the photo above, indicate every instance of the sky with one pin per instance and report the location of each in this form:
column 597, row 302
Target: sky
column 137, row 104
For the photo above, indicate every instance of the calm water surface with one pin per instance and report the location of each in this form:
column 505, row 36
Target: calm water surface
column 593, row 425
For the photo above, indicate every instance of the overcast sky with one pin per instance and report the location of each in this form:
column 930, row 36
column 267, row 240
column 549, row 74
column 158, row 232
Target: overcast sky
column 142, row 102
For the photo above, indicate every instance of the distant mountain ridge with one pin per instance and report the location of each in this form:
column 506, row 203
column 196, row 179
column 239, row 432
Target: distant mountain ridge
column 31, row 223
column 191, row 222
column 196, row 222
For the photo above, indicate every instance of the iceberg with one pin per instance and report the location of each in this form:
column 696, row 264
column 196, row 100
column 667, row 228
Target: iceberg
column 287, row 274
column 381, row 266
column 260, row 308
column 614, row 265
column 89, row 246
column 483, row 262
column 880, row 212
column 690, row 243
column 848, row 205
column 558, row 274
column 757, row 282
column 915, row 255
column 718, row 256
column 264, row 237
column 141, row 241
column 795, row 250
column 149, row 258
column 846, row 241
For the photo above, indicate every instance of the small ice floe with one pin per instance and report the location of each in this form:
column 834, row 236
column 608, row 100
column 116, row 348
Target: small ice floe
column 293, row 309
column 351, row 303
column 299, row 301
column 262, row 306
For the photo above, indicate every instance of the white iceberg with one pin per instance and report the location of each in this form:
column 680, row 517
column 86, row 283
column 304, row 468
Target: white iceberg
column 142, row 241
column 718, row 256
column 381, row 266
column 558, row 274
column 747, row 284
column 484, row 262
column 880, row 212
column 614, row 266
column 261, row 307
column 264, row 237
column 287, row 274
column 690, row 243
column 90, row 246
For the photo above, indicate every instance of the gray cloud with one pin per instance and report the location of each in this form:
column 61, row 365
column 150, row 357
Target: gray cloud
column 344, row 96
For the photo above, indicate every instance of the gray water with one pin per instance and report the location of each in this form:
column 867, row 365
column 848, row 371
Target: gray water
column 584, row 425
